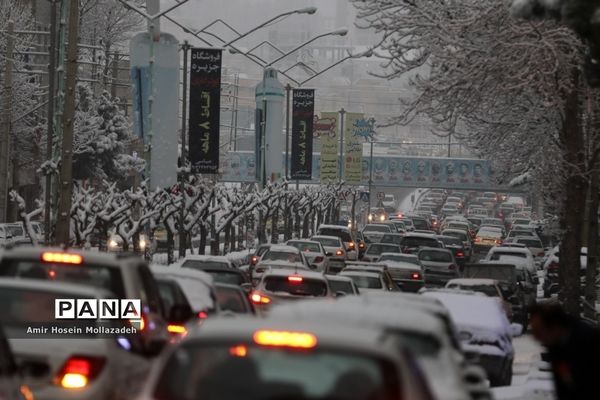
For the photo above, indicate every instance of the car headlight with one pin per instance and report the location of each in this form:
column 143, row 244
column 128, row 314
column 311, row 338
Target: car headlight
column 113, row 243
column 142, row 244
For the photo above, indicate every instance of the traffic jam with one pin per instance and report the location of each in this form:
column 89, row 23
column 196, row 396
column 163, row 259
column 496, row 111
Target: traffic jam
column 421, row 303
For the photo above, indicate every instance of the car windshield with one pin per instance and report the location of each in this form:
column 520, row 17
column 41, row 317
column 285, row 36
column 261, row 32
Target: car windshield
column 451, row 241
column 282, row 256
column 412, row 241
column 499, row 255
column 400, row 258
column 489, row 233
column 521, row 222
column 262, row 250
column 328, row 242
column 98, row 276
column 231, row 299
column 366, row 282
column 342, row 234
column 305, row 246
column 300, row 287
column 376, row 228
column 457, row 226
column 341, row 286
column 531, row 243
column 488, row 290
column 378, row 248
column 15, row 230
column 231, row 276
column 204, row 264
column 196, row 371
column 460, row 235
column 435, row 256
column 420, row 224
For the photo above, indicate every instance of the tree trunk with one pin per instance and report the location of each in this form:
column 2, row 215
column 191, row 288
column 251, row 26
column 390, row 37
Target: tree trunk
column 227, row 239
column 274, row 227
column 170, row 246
column 203, row 234
column 573, row 207
column 305, row 225
column 233, row 236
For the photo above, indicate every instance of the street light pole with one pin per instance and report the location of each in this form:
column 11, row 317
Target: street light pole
column 341, row 158
column 50, row 122
column 183, row 163
column 370, row 176
column 288, row 89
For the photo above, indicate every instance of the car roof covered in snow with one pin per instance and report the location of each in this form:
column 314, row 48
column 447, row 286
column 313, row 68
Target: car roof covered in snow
column 283, row 249
column 192, row 257
column 473, row 282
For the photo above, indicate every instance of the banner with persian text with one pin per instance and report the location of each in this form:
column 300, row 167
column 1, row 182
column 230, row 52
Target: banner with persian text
column 352, row 149
column 303, row 110
column 326, row 129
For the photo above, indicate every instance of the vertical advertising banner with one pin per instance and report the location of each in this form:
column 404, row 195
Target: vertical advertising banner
column 353, row 149
column 303, row 109
column 326, row 128
column 205, row 109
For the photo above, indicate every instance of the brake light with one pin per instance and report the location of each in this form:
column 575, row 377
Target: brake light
column 400, row 215
column 257, row 298
column 78, row 371
column 238, row 351
column 351, row 246
column 415, row 275
column 63, row 258
column 177, row 329
column 298, row 340
column 295, row 279
column 460, row 254
column 318, row 259
column 253, row 260
column 202, row 315
column 477, row 239
column 339, row 253
column 498, row 241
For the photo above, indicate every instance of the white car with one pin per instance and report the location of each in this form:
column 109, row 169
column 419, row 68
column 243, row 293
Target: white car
column 484, row 330
column 278, row 257
column 87, row 366
column 199, row 262
column 533, row 244
column 421, row 332
column 345, row 234
column 313, row 251
column 334, row 250
column 281, row 358
column 500, row 253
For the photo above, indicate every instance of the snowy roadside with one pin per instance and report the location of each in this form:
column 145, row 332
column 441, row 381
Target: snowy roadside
column 529, row 382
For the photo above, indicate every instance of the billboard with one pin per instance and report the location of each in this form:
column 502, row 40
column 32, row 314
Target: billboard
column 205, row 109
column 388, row 171
column 303, row 110
column 352, row 149
column 326, row 129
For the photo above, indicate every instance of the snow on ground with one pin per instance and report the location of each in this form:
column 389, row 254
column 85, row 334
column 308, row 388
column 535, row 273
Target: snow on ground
column 529, row 382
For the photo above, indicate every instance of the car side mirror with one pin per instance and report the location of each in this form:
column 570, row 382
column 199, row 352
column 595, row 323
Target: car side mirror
column 516, row 330
column 33, row 369
column 340, row 294
column 180, row 313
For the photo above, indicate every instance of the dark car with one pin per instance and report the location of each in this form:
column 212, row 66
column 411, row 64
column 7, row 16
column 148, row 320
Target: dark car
column 457, row 247
column 229, row 276
column 411, row 242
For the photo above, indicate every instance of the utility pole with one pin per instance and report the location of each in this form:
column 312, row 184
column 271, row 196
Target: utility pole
column 370, row 176
column 50, row 122
column 235, row 107
column 6, row 121
column 183, row 174
column 449, row 144
column 115, row 75
column 66, row 167
column 342, row 133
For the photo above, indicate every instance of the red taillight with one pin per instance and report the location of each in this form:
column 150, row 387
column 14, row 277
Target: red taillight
column 318, row 259
column 257, row 298
column 295, row 279
column 460, row 254
column 77, row 371
column 254, row 260
column 498, row 241
column 477, row 239
column 202, row 315
column 452, row 267
column 339, row 253
column 415, row 275
column 351, row 246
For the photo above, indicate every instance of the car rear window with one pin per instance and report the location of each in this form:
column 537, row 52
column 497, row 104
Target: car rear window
column 399, row 258
column 15, row 230
column 341, row 286
column 378, row 248
column 376, row 228
column 342, row 234
column 420, row 224
column 396, row 239
column 366, row 282
column 303, row 246
column 230, row 299
column 99, row 276
column 488, row 290
column 411, row 241
column 498, row 255
column 451, row 241
column 435, row 256
column 306, row 287
column 197, row 371
column 282, row 256
column 21, row 305
column 223, row 276
column 203, row 264
column 531, row 243
column 328, row 242
column 461, row 235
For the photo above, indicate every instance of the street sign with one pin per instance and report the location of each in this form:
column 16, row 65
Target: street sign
column 381, row 195
column 364, row 197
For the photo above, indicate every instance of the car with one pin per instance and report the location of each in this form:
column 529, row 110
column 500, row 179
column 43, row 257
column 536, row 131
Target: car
column 374, row 232
column 457, row 247
column 280, row 358
column 462, row 235
column 233, row 299
column 372, row 280
column 423, row 333
column 439, row 265
column 411, row 242
column 485, row 331
column 15, row 233
column 534, row 245
column 419, row 222
column 343, row 233
column 334, row 250
column 500, row 253
column 126, row 276
column 389, row 200
column 220, row 268
column 342, row 284
column 313, row 251
column 279, row 255
column 377, row 268
column 282, row 285
column 260, row 250
column 486, row 238
column 375, row 249
column 489, row 287
column 399, row 225
column 392, row 238
column 79, row 365
column 521, row 232
column 551, row 267
column 408, row 276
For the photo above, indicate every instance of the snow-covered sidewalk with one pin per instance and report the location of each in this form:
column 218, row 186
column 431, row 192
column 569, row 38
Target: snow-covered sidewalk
column 529, row 381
